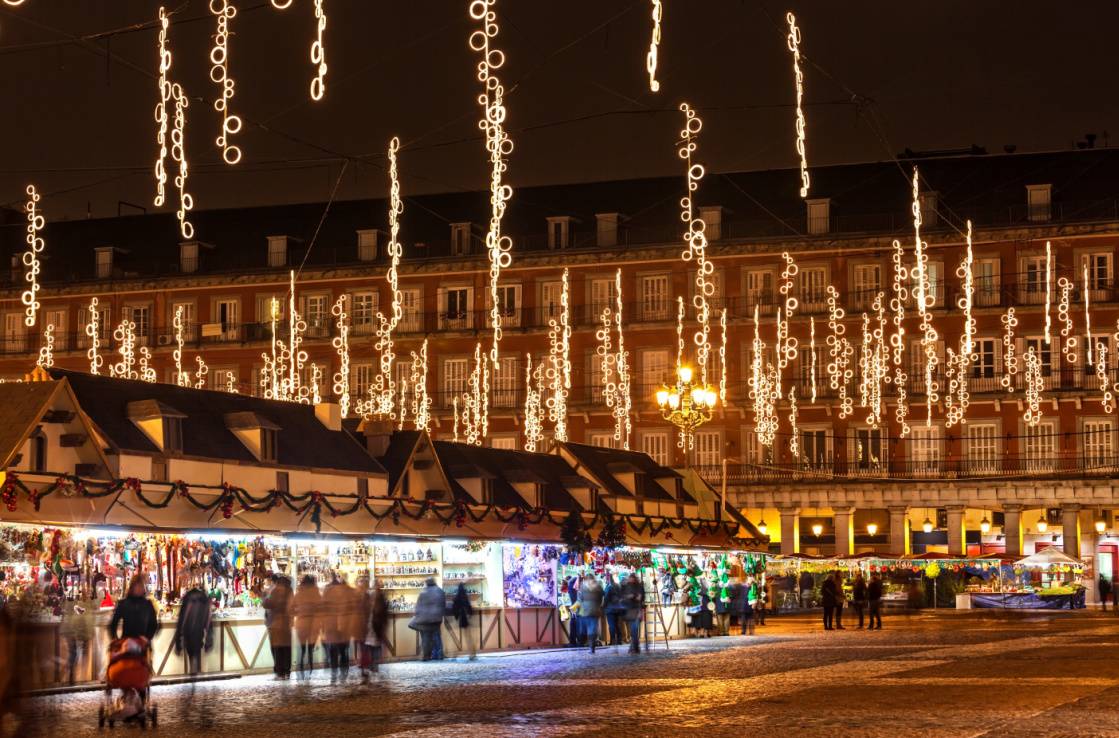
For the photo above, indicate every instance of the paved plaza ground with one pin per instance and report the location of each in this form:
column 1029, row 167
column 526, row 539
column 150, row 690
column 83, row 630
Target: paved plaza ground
column 946, row 674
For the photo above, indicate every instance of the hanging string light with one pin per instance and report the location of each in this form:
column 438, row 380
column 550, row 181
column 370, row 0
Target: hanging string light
column 402, row 403
column 654, row 42
column 318, row 52
column 473, row 422
column 1010, row 356
column 840, row 352
column 695, row 239
column 125, row 337
column 93, row 330
column 925, row 300
column 384, row 385
column 162, row 117
column 46, row 351
column 231, row 383
column 798, row 77
column 897, row 338
column 296, row 356
column 811, row 354
column 794, row 429
column 341, row 344
column 1087, row 319
column 147, row 371
column 761, row 386
column 281, row 4
column 1064, row 315
column 454, row 411
column 499, row 146
column 1035, row 385
column 1107, row 399
column 224, row 12
column 178, row 154
column 1048, row 290
column 623, row 406
column 421, row 400
column 723, row 358
column 606, row 358
column 35, row 245
column 534, row 406
column 787, row 345
column 200, row 373
column 559, row 363
column 679, row 331
column 182, row 379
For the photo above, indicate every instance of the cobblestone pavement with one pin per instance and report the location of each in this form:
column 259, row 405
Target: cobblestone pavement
column 946, row 674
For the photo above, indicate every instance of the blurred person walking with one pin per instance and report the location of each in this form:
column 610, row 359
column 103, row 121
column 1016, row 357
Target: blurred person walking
column 277, row 616
column 308, row 623
column 194, row 628
column 337, row 607
column 827, row 598
column 359, row 627
column 378, row 625
column 858, row 596
column 874, row 599
column 77, row 628
column 591, row 596
column 463, row 611
column 1105, row 591
column 840, row 600
column 615, row 610
column 135, row 613
column 633, row 599
column 431, row 606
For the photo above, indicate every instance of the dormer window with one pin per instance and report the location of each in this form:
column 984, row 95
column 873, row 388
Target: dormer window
column 559, row 232
column 188, row 257
column 162, row 424
column 257, row 433
column 103, row 260
column 368, row 241
column 819, row 216
column 1039, row 202
column 460, row 239
column 713, row 218
column 928, row 203
column 277, row 251
column 267, row 444
column 606, row 228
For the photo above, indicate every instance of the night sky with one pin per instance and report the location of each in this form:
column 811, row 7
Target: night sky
column 941, row 75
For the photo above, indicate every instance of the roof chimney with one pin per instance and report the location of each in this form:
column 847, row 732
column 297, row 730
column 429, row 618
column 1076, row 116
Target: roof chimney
column 377, row 434
column 330, row 415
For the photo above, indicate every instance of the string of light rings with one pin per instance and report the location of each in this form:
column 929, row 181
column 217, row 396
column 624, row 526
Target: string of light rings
column 161, row 115
column 1010, row 357
column 318, row 52
column 35, row 245
column 224, row 11
column 93, row 331
column 897, row 338
column 695, row 239
column 46, row 351
column 654, row 42
column 798, row 76
column 1035, row 385
column 341, row 344
column 178, row 153
column 1064, row 316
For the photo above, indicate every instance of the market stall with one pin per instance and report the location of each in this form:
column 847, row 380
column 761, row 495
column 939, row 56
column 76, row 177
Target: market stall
column 1047, row 580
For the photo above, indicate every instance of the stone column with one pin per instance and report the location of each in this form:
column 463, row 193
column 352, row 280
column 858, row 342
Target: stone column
column 1070, row 523
column 844, row 522
column 899, row 530
column 1012, row 529
column 790, row 530
column 957, row 531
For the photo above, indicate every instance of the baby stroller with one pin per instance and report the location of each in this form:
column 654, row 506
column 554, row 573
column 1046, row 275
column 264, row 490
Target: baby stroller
column 130, row 673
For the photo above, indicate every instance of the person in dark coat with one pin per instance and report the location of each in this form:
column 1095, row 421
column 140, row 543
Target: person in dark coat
column 591, row 596
column 431, row 606
column 858, row 597
column 1105, row 591
column 807, row 584
column 722, row 611
column 572, row 601
column 828, row 597
column 840, row 600
column 615, row 610
column 194, row 631
column 874, row 600
column 463, row 611
column 378, row 623
column 135, row 614
column 633, row 599
column 278, row 614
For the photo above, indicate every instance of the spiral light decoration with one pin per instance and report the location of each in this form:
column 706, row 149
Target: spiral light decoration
column 46, row 351
column 695, row 239
column 200, row 373
column 534, row 404
column 1064, row 316
column 93, row 330
column 654, row 43
column 1035, row 385
column 558, row 373
column 318, row 52
column 179, row 155
column 794, row 429
column 35, row 246
column 162, row 117
column 182, row 379
column 231, row 384
column 840, row 352
column 1107, row 398
column 147, row 371
column 925, row 301
column 798, row 77
column 125, row 336
column 897, row 338
column 1010, row 356
column 341, row 344
column 421, row 400
column 224, row 12
column 623, row 406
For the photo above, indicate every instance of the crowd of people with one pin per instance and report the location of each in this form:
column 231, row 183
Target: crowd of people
column 865, row 600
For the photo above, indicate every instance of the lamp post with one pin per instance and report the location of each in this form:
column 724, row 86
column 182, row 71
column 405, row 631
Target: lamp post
column 687, row 404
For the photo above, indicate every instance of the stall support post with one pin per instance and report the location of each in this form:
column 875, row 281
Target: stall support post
column 957, row 531
column 1012, row 529
column 1070, row 529
column 790, row 530
column 844, row 522
column 899, row 530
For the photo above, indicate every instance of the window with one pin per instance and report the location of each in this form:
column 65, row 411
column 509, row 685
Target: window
column 509, row 443
column 505, row 382
column 1039, row 446
column 602, row 440
column 188, row 257
column 277, row 251
column 509, row 304
column 188, row 320
column 361, row 378
column 15, row 335
column 708, row 448
column 38, row 460
column 1099, row 436
column 927, row 203
column 456, row 373
column 759, row 288
column 983, row 365
column 103, row 259
column 1099, row 270
column 456, row 307
column 982, row 448
column 363, row 312
column 367, row 245
column 1037, row 343
column 654, row 371
column 1038, row 200
column 815, row 448
column 57, row 318
column 603, row 295
column 227, row 313
column 267, row 445
column 551, row 301
column 752, row 449
column 868, row 283
column 159, row 470
column 363, row 487
column 140, row 315
column 460, row 239
column 223, row 379
column 172, row 435
column 104, row 325
column 1033, row 272
column 655, row 445
column 924, row 449
column 935, row 272
column 987, row 286
column 813, row 286
column 559, row 233
column 282, row 482
column 819, row 216
column 654, row 297
column 868, row 448
column 316, row 315
column 411, row 302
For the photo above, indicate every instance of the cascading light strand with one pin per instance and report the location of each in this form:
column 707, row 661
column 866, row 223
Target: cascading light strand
column 1009, row 354
column 46, row 351
column 811, row 355
column 1035, row 385
column 654, row 43
column 147, row 371
column 1107, row 399
column 385, row 382
column 125, row 337
column 162, row 116
column 231, row 383
column 179, row 155
column 200, row 373
column 798, row 77
column 35, row 246
column 840, row 352
column 1048, row 292
column 623, row 408
column 1087, row 320
column 794, row 428
column 182, row 379
column 723, row 361
column 224, row 11
column 341, row 344
column 897, row 338
column 499, row 146
column 925, row 301
column 534, row 405
column 421, row 400
column 318, row 52
column 679, row 331
column 1064, row 315
column 93, row 331
column 695, row 240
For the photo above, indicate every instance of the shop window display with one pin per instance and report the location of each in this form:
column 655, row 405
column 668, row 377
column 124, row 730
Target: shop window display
column 529, row 574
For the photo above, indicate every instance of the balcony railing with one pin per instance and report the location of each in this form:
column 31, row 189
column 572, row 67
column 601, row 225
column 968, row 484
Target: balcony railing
column 915, row 469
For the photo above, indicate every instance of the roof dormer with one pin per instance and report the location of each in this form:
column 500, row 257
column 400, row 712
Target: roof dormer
column 368, row 244
column 1039, row 202
column 712, row 216
column 161, row 423
column 257, row 433
column 559, row 231
column 278, row 251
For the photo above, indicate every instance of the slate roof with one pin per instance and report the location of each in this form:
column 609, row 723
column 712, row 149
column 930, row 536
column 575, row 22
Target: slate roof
column 21, row 405
column 302, row 441
column 604, row 463
column 869, row 197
